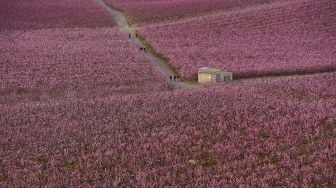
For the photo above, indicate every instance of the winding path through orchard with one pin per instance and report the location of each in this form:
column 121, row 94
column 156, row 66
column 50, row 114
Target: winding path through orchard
column 157, row 61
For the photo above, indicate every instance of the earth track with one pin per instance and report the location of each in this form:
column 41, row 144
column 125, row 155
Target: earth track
column 157, row 61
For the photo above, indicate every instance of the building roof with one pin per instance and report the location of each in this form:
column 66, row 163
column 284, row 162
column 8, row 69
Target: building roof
column 210, row 70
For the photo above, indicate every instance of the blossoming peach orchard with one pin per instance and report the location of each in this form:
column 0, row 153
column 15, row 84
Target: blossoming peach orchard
column 261, row 40
column 81, row 105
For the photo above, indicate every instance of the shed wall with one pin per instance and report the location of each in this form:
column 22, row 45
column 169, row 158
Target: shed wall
column 204, row 78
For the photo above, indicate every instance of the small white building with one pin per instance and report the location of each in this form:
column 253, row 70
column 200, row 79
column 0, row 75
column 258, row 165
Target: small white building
column 207, row 75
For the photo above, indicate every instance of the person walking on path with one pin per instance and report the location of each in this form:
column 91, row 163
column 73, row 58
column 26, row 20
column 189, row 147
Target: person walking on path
column 129, row 35
column 170, row 78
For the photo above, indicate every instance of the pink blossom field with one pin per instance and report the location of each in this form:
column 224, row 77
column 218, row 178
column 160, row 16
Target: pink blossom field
column 82, row 106
column 274, row 133
column 152, row 11
column 41, row 14
column 71, row 63
column 277, row 38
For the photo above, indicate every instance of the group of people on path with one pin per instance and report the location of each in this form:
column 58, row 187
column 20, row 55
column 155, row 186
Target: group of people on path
column 143, row 49
column 136, row 36
column 174, row 78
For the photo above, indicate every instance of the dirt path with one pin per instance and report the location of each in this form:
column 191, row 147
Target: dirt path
column 156, row 61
